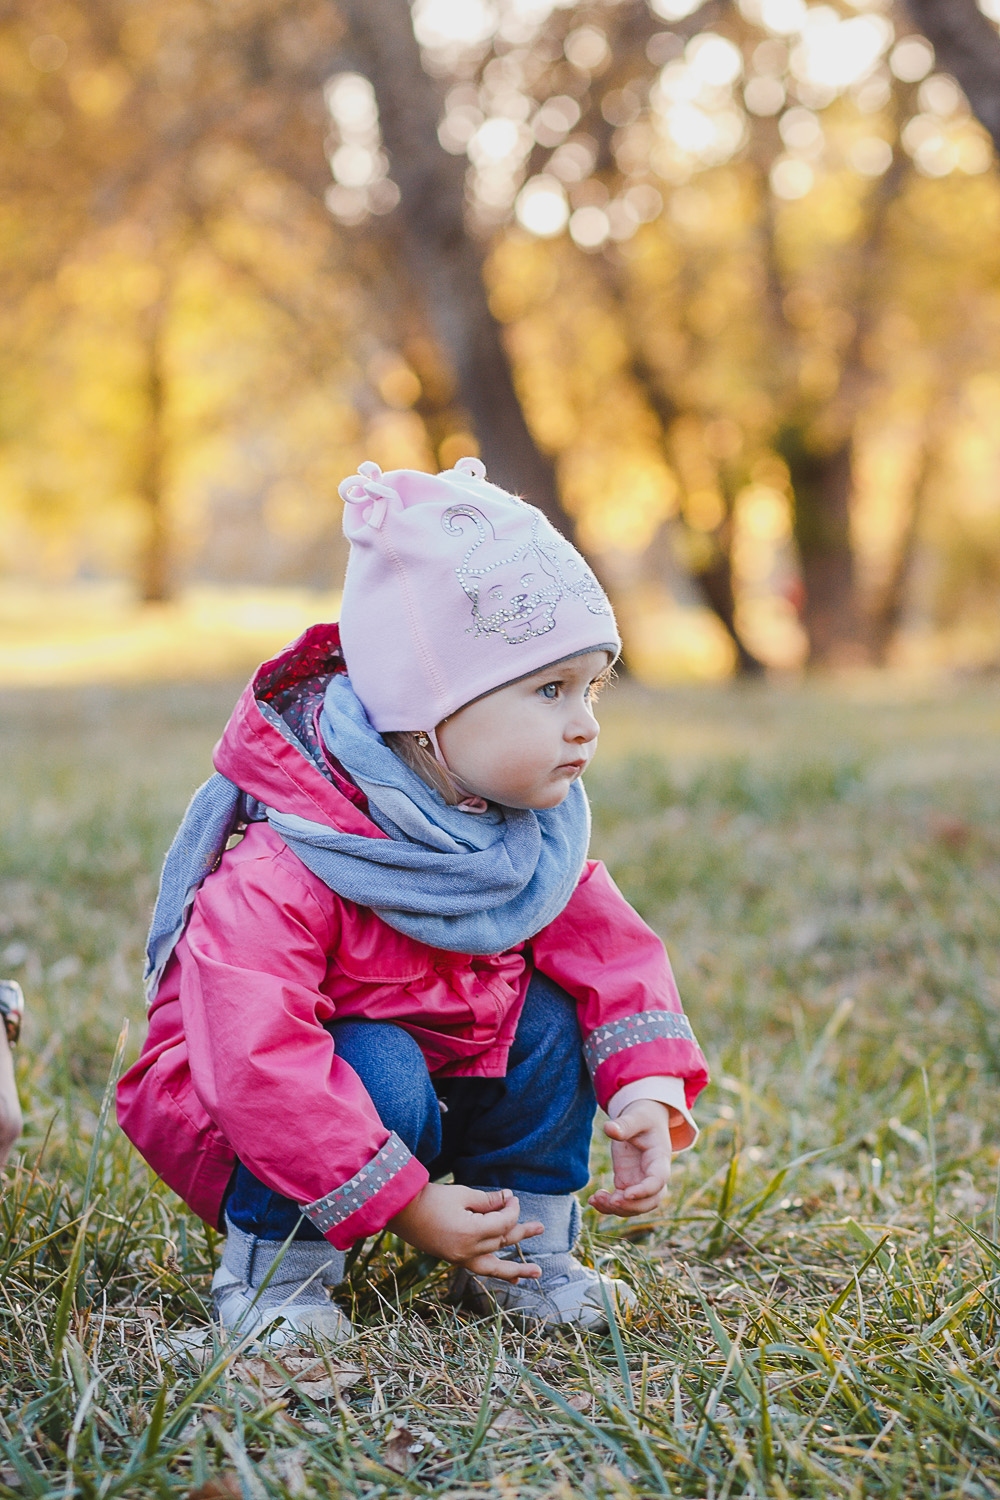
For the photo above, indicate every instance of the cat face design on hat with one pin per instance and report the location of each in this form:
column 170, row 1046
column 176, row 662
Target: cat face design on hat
column 514, row 586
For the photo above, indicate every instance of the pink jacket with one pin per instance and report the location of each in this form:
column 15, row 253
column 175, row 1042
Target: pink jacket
column 237, row 1062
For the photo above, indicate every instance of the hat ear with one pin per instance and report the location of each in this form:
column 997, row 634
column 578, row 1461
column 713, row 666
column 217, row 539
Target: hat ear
column 366, row 488
column 472, row 468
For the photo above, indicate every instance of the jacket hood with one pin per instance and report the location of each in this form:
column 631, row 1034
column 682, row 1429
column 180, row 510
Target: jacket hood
column 260, row 752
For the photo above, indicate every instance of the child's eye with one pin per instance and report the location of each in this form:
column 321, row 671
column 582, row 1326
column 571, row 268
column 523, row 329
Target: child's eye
column 550, row 691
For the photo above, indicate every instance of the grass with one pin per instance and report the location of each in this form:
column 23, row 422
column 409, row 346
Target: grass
column 821, row 1296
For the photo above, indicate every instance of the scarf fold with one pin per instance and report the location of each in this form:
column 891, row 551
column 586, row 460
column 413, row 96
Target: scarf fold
column 475, row 883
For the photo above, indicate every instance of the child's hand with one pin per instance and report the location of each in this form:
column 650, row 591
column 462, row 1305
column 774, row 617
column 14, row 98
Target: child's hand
column 467, row 1227
column 641, row 1154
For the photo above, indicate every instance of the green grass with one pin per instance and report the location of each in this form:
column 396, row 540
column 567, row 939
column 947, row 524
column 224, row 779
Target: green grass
column 821, row 1297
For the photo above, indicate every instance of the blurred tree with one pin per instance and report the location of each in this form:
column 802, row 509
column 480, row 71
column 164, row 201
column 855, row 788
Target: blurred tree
column 154, row 562
column 584, row 113
column 968, row 47
column 445, row 262
column 712, row 265
column 160, row 128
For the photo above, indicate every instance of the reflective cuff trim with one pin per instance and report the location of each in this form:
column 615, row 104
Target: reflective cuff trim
column 644, row 1026
column 345, row 1200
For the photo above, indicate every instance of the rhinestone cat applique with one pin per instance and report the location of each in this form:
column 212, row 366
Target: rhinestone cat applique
column 514, row 587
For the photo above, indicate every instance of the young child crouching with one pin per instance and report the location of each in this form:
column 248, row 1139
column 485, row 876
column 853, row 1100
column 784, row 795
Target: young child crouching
column 406, row 967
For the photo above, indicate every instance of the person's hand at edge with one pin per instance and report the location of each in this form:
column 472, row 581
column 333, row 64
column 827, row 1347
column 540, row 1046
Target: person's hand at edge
column 10, row 1108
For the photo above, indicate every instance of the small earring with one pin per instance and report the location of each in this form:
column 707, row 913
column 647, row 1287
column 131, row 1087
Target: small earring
column 422, row 739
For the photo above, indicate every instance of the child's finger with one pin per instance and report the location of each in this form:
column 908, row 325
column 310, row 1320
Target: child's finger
column 618, row 1203
column 499, row 1228
column 524, row 1232
column 626, row 1210
column 489, row 1232
column 498, row 1231
column 606, row 1202
column 498, row 1214
column 627, row 1129
column 643, row 1189
column 504, row 1270
column 491, row 1201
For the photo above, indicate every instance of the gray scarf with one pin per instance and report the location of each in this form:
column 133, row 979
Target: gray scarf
column 465, row 882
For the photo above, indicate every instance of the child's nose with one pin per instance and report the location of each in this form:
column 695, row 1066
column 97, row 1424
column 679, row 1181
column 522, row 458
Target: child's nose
column 584, row 727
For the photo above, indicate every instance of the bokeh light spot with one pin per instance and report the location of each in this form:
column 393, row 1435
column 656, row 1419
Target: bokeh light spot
column 911, row 59
column 587, row 48
column 764, row 96
column 871, row 156
column 466, row 23
column 713, row 59
column 791, row 178
column 541, row 206
column 589, row 227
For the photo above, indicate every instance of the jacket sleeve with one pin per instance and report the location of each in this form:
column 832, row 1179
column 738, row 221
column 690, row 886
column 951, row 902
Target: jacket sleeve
column 252, row 962
column 616, row 968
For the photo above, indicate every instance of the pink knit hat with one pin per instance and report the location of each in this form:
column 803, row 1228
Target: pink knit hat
column 455, row 588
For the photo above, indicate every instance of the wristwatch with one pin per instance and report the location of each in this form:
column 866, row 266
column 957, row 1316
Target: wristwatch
column 11, row 1008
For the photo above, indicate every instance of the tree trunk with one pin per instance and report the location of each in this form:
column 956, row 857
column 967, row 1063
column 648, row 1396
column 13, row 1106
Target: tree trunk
column 446, row 263
column 967, row 45
column 822, row 485
column 154, row 559
column 887, row 613
column 820, row 462
column 715, row 579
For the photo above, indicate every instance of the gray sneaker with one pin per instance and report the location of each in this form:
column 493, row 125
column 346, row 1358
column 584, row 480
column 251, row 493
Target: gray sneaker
column 567, row 1294
column 295, row 1301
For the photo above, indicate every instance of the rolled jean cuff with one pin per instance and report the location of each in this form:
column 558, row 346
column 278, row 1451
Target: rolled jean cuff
column 251, row 1259
column 559, row 1212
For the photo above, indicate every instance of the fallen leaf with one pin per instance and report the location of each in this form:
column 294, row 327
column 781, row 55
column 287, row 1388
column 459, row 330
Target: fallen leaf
column 953, row 832
column 289, row 1467
column 402, row 1449
column 315, row 1376
column 218, row 1487
column 195, row 1344
column 506, row 1421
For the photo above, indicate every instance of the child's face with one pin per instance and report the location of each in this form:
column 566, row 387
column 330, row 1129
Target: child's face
column 525, row 744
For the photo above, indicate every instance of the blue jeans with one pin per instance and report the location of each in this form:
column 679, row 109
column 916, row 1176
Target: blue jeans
column 529, row 1131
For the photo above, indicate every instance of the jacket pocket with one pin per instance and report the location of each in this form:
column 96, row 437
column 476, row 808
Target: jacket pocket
column 372, row 952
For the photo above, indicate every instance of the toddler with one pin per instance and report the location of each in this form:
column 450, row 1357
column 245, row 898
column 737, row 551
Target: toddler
column 380, row 955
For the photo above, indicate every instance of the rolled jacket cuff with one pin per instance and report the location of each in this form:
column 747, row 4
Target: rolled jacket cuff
column 366, row 1202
